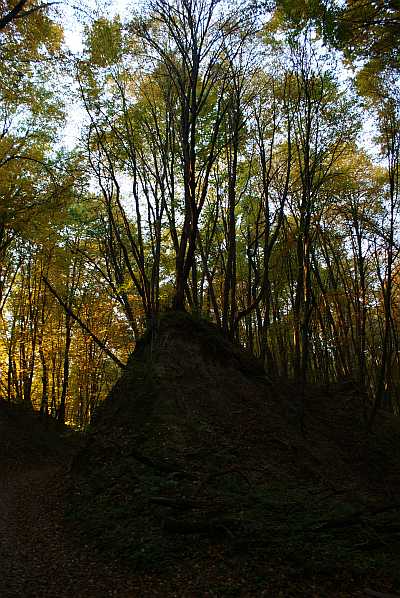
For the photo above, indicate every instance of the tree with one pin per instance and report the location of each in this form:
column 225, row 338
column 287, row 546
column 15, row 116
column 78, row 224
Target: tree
column 21, row 10
column 191, row 40
column 362, row 29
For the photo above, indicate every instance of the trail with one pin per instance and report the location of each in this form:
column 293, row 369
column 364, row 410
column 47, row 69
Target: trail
column 37, row 557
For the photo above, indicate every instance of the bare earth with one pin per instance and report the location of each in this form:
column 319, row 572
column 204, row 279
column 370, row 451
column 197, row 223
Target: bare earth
column 37, row 559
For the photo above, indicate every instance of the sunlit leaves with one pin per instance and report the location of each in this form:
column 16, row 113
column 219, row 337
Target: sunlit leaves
column 105, row 42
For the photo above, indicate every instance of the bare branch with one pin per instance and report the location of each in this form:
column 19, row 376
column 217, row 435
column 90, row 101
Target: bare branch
column 96, row 339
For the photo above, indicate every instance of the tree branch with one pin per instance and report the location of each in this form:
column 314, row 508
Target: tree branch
column 18, row 12
column 12, row 14
column 69, row 311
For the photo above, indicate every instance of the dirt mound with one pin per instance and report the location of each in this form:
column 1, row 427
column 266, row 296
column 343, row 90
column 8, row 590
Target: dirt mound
column 194, row 446
column 187, row 392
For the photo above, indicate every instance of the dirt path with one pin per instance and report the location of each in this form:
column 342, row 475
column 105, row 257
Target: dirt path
column 37, row 558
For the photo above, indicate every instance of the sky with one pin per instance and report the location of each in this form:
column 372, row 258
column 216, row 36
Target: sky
column 73, row 20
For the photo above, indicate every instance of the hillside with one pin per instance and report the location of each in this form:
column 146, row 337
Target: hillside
column 197, row 468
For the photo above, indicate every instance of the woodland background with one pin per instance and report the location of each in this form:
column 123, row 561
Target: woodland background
column 239, row 160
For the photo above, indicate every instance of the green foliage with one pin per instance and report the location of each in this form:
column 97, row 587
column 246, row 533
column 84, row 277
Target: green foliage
column 104, row 40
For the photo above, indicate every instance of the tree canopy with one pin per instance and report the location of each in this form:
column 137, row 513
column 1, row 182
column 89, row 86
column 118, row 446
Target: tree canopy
column 222, row 166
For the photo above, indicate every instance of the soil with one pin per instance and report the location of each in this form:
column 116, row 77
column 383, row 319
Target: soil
column 38, row 556
column 201, row 477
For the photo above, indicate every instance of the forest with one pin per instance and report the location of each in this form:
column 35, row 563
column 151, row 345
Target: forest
column 199, row 298
column 238, row 161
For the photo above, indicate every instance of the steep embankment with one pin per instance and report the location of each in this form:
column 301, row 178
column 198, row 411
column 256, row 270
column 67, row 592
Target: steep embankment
column 196, row 468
